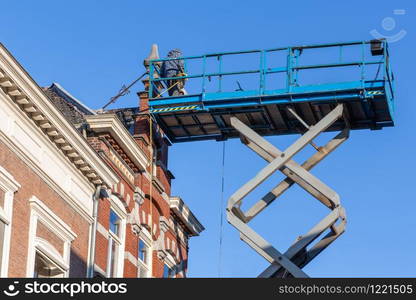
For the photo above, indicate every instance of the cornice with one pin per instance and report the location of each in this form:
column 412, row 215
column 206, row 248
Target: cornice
column 111, row 124
column 31, row 100
column 182, row 211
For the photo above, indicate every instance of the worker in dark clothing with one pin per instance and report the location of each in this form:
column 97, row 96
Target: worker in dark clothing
column 174, row 68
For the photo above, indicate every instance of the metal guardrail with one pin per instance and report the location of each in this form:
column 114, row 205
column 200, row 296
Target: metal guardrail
column 291, row 68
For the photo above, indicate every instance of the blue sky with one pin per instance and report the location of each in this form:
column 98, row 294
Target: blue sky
column 93, row 47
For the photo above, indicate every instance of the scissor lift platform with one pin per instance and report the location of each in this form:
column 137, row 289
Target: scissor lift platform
column 362, row 100
column 368, row 98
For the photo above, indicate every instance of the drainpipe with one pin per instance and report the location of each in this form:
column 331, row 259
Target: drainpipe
column 100, row 192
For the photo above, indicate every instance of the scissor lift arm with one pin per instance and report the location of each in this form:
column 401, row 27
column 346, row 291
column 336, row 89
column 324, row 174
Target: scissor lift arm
column 291, row 262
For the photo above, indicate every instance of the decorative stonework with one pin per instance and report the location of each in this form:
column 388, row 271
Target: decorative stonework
column 161, row 254
column 145, row 220
column 122, row 158
column 138, row 196
column 136, row 229
column 120, row 139
column 134, row 219
column 121, row 166
column 172, row 249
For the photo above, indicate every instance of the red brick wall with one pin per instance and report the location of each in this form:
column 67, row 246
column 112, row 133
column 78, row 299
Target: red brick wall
column 158, row 206
column 33, row 185
column 101, row 251
column 157, row 266
column 43, row 232
column 130, row 270
column 104, row 207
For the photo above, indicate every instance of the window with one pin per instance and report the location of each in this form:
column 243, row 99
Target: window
column 144, row 260
column 113, row 257
column 46, row 268
column 116, row 237
column 114, row 222
column 168, row 272
column 48, row 257
column 170, row 268
column 114, row 244
column 143, row 251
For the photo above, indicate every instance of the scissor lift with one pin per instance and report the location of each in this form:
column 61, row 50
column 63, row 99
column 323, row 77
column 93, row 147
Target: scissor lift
column 364, row 101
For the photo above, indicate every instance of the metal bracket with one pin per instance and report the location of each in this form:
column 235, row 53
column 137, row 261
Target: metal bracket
column 290, row 263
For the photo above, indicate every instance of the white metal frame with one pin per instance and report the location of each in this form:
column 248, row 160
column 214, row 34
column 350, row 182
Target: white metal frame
column 297, row 256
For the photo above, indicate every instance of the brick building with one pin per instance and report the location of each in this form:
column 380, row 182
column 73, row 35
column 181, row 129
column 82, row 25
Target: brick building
column 82, row 193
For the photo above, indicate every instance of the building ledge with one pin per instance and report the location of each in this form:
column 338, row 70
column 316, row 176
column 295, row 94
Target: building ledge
column 182, row 211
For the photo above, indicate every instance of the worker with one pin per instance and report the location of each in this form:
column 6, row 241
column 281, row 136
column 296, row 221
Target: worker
column 174, row 68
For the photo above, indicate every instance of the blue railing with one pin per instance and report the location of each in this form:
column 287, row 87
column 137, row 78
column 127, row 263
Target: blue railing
column 291, row 69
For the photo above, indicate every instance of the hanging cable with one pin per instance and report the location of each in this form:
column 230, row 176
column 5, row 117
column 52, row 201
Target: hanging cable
column 221, row 211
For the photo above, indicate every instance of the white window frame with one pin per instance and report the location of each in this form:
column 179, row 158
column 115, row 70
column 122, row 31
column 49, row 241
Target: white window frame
column 169, row 261
column 9, row 186
column 41, row 213
column 146, row 237
column 117, row 206
column 45, row 249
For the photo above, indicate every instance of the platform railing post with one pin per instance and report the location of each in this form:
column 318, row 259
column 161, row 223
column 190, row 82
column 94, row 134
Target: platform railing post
column 289, row 70
column 262, row 72
column 151, row 71
column 296, row 53
column 291, row 262
column 362, row 64
column 219, row 72
column 204, row 62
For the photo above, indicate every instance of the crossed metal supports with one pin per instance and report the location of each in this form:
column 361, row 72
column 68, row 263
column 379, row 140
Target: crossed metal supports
column 290, row 263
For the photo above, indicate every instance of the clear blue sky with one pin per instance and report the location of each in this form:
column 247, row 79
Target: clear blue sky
column 93, row 47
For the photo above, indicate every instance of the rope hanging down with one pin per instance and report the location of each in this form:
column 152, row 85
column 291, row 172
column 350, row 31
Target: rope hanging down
column 221, row 210
column 152, row 158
